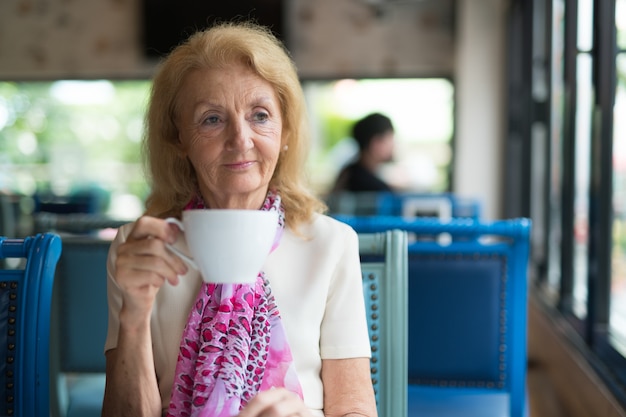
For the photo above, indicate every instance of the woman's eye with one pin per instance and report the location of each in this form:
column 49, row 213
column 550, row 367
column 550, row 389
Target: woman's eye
column 260, row 116
column 211, row 120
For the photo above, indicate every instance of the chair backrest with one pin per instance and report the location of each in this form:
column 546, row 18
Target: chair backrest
column 80, row 304
column 384, row 269
column 25, row 304
column 79, row 315
column 467, row 302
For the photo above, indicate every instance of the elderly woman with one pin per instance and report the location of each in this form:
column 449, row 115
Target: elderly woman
column 227, row 129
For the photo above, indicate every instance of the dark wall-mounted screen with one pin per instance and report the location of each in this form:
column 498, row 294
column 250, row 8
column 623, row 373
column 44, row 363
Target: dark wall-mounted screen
column 166, row 23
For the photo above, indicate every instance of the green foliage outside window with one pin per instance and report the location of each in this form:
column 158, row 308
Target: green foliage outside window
column 69, row 135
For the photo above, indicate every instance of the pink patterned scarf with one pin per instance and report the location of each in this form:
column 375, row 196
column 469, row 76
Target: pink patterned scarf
column 233, row 346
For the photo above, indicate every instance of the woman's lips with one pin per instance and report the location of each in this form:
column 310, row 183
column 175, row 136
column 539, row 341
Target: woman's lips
column 239, row 165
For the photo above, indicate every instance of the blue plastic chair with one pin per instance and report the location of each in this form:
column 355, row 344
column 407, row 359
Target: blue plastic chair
column 467, row 315
column 385, row 275
column 79, row 327
column 25, row 303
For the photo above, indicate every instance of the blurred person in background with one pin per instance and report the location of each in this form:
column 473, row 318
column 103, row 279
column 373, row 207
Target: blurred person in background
column 374, row 135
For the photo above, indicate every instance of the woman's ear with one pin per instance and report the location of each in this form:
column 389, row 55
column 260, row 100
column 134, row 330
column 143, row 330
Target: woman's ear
column 284, row 143
column 179, row 145
column 177, row 139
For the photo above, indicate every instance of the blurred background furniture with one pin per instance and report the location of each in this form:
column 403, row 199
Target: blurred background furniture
column 467, row 315
column 79, row 326
column 75, row 223
column 25, row 303
column 441, row 205
column 7, row 215
column 409, row 205
column 357, row 204
column 384, row 268
column 86, row 199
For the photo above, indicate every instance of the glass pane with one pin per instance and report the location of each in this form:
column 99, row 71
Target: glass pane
column 585, row 24
column 584, row 108
column 620, row 23
column 618, row 267
column 421, row 156
column 556, row 146
column 62, row 138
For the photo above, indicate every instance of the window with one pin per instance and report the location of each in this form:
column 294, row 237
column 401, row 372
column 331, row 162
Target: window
column 582, row 140
column 617, row 320
column 62, row 137
column 421, row 109
column 592, row 278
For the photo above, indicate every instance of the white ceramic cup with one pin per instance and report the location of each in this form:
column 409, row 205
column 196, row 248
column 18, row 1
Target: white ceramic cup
column 227, row 245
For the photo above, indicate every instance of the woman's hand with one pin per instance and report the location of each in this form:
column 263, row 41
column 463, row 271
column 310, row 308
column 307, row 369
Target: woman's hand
column 144, row 264
column 278, row 402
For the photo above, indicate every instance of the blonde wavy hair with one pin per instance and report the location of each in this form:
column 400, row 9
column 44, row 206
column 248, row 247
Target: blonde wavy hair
column 172, row 178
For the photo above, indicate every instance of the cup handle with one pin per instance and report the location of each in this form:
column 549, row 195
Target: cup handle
column 174, row 249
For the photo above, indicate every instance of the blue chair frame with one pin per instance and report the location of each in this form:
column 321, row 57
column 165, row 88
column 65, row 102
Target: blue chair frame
column 467, row 314
column 26, row 296
column 385, row 280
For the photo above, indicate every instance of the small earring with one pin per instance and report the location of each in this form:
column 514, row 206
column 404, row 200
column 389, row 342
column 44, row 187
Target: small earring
column 285, row 148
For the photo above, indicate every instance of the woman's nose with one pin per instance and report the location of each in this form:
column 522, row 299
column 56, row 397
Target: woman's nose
column 240, row 136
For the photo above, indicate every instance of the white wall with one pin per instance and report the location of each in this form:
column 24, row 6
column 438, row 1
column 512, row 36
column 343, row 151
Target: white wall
column 480, row 86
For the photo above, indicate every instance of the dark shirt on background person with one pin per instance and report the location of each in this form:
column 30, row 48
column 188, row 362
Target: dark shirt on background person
column 357, row 178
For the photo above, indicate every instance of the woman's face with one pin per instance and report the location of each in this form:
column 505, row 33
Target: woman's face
column 230, row 127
